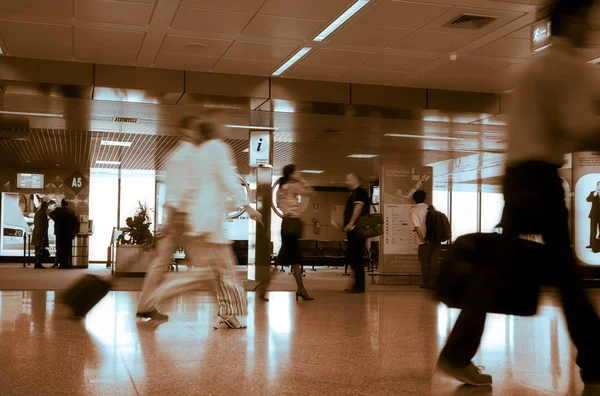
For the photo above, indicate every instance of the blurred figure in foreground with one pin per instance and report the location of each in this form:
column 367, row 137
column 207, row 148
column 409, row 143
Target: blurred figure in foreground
column 40, row 234
column 553, row 111
column 201, row 179
column 291, row 186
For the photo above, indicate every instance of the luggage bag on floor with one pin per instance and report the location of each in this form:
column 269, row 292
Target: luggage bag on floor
column 85, row 294
column 516, row 281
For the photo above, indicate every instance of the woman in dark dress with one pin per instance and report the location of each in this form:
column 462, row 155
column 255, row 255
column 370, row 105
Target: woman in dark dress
column 291, row 187
column 40, row 234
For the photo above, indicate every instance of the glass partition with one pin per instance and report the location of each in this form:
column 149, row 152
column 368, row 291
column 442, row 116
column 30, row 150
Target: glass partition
column 464, row 213
column 492, row 205
column 104, row 193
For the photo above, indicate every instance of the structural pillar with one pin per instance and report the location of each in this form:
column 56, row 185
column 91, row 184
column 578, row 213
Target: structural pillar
column 261, row 160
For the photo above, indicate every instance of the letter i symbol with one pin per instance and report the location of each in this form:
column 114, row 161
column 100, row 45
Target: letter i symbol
column 259, row 144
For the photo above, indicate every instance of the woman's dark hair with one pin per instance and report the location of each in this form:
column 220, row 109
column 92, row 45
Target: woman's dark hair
column 565, row 9
column 44, row 206
column 288, row 170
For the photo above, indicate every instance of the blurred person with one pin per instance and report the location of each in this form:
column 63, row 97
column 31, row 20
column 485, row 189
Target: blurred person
column 291, row 187
column 201, row 180
column 594, row 216
column 66, row 226
column 357, row 205
column 429, row 251
column 553, row 111
column 40, row 234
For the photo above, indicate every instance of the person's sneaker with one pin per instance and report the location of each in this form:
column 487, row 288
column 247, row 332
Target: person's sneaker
column 470, row 374
column 154, row 315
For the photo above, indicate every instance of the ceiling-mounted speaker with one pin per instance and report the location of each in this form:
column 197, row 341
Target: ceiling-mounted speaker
column 7, row 134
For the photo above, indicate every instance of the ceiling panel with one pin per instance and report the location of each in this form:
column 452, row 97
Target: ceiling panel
column 435, row 41
column 117, row 47
column 388, row 62
column 244, row 66
column 377, row 77
column 507, row 48
column 317, row 10
column 185, row 62
column 37, row 40
column 244, row 6
column 282, row 28
column 315, row 72
column 211, row 21
column 111, row 11
column 175, row 44
column 370, row 36
column 327, row 57
column 402, row 14
column 260, row 51
column 522, row 33
column 501, row 18
column 62, row 9
column 468, row 68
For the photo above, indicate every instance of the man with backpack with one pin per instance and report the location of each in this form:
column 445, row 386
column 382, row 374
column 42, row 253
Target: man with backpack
column 431, row 232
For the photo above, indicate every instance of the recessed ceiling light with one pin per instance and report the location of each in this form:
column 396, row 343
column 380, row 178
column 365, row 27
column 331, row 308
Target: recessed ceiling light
column 256, row 127
column 246, row 150
column 312, row 171
column 362, row 156
column 108, row 163
column 26, row 113
column 333, row 26
column 115, row 143
column 423, row 137
column 297, row 56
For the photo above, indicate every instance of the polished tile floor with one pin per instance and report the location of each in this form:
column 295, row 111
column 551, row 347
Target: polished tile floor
column 379, row 343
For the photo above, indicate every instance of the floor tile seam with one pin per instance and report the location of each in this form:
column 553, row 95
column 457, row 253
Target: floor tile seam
column 122, row 358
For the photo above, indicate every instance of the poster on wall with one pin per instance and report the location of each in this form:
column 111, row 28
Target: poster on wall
column 586, row 207
column 400, row 242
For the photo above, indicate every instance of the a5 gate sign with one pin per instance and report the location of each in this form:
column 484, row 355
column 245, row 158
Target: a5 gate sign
column 76, row 182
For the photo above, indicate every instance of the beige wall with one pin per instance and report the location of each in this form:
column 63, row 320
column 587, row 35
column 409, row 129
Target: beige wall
column 324, row 200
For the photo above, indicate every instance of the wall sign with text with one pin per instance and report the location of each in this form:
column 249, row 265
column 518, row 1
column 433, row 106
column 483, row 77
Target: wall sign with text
column 260, row 148
column 541, row 35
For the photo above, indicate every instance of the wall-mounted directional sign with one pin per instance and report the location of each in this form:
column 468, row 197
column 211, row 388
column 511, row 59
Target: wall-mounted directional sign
column 76, row 182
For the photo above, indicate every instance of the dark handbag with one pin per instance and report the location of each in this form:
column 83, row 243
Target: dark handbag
column 45, row 254
column 84, row 294
column 369, row 226
column 291, row 226
column 515, row 284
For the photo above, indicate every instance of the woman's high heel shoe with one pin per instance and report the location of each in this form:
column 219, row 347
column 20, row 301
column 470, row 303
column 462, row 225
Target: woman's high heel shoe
column 230, row 321
column 304, row 295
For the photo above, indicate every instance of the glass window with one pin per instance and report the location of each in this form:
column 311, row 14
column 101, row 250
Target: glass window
column 440, row 201
column 464, row 213
column 104, row 186
column 137, row 186
column 492, row 205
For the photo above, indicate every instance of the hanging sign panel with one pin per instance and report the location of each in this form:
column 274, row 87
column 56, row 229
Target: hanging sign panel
column 541, row 36
column 260, row 148
column 586, row 207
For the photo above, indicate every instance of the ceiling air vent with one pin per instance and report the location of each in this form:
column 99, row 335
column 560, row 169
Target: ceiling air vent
column 469, row 21
column 125, row 119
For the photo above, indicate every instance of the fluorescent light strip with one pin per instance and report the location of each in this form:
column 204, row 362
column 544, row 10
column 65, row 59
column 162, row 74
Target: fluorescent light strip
column 257, row 127
column 542, row 48
column 115, row 143
column 341, row 19
column 24, row 113
column 423, row 137
column 108, row 163
column 292, row 60
column 312, row 171
column 595, row 61
column 362, row 156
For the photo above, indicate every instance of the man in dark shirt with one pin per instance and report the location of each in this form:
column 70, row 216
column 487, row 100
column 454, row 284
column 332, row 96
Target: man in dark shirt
column 356, row 206
column 66, row 226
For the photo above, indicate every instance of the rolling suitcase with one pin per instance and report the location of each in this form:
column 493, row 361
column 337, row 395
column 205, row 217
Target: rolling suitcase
column 516, row 289
column 85, row 294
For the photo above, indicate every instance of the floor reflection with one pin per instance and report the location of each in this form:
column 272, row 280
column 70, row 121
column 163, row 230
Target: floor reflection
column 377, row 344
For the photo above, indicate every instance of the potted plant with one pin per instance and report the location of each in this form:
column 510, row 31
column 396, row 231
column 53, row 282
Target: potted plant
column 135, row 244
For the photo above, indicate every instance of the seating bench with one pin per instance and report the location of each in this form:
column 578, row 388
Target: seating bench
column 374, row 274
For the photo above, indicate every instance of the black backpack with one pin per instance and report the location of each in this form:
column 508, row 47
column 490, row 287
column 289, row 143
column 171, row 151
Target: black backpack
column 438, row 226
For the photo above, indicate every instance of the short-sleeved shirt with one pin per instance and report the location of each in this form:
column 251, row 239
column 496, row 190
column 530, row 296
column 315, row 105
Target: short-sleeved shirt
column 358, row 195
column 418, row 216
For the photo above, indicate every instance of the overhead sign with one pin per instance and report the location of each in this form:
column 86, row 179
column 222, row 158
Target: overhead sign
column 76, row 182
column 260, row 148
column 541, row 35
